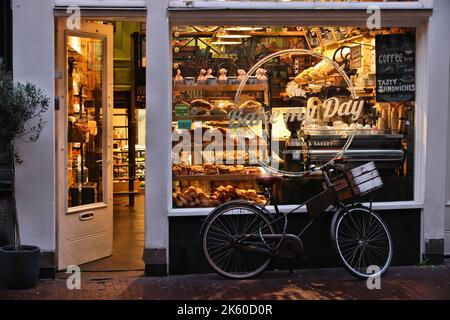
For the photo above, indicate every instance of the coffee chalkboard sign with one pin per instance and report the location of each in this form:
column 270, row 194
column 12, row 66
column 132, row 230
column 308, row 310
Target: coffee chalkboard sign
column 395, row 61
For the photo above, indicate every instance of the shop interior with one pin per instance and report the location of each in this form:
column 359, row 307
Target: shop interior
column 85, row 144
column 210, row 62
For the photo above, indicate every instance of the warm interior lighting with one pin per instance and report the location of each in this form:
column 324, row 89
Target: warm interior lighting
column 237, row 28
column 224, row 41
column 231, row 34
column 75, row 43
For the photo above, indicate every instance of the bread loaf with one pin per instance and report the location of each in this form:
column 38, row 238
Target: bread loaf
column 250, row 106
column 201, row 103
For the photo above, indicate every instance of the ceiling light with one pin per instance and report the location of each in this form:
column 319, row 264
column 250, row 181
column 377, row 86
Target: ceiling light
column 243, row 28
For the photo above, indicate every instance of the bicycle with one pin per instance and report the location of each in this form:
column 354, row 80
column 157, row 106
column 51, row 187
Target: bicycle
column 240, row 237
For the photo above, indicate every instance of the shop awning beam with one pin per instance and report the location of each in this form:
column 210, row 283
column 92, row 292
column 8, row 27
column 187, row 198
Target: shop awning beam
column 347, row 17
column 295, row 5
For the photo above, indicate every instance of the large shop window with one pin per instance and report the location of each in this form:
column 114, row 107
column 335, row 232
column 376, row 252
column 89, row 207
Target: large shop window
column 307, row 104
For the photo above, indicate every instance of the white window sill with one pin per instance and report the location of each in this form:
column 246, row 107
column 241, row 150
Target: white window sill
column 379, row 206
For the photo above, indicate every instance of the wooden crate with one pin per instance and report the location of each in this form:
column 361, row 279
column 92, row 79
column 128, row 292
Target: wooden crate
column 366, row 178
column 356, row 182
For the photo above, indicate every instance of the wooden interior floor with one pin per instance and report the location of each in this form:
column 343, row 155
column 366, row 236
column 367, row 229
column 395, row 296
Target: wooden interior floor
column 129, row 235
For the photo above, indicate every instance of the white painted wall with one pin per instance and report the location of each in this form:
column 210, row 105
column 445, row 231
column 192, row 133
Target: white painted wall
column 33, row 50
column 159, row 115
column 447, row 209
column 437, row 122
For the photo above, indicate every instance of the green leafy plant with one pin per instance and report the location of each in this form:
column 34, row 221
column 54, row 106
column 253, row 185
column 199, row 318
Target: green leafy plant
column 21, row 117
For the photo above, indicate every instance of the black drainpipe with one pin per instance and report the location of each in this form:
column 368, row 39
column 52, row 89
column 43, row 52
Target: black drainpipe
column 6, row 217
column 6, row 32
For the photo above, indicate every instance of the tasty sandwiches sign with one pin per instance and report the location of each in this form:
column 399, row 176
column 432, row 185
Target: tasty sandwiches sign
column 395, row 62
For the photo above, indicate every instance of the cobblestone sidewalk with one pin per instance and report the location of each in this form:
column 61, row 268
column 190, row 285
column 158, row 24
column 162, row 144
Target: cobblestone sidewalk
column 399, row 283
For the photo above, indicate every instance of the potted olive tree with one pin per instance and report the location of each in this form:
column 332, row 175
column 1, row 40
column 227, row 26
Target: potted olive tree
column 21, row 118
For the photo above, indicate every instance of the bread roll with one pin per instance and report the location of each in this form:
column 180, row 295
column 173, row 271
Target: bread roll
column 214, row 203
column 182, row 199
column 188, row 198
column 205, row 202
column 250, row 106
column 218, row 111
column 201, row 103
column 179, row 204
column 198, row 111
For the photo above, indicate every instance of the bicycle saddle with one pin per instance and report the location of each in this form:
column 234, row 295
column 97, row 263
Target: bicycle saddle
column 268, row 180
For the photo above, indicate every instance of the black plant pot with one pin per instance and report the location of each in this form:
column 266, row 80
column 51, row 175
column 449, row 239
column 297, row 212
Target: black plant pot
column 19, row 269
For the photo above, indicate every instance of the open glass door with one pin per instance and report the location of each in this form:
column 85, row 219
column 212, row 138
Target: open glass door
column 84, row 144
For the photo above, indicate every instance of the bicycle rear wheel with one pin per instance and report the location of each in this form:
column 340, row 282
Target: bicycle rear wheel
column 226, row 247
column 362, row 240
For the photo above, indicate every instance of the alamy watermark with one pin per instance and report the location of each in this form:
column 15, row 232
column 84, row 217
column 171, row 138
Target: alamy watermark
column 374, row 281
column 73, row 282
column 374, row 20
column 73, row 22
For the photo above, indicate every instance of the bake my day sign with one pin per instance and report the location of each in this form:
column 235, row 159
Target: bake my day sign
column 395, row 62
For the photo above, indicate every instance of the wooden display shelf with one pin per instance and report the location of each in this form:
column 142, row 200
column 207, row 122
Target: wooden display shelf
column 215, row 177
column 219, row 87
column 202, row 118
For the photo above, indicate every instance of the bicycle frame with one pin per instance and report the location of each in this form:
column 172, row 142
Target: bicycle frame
column 337, row 208
column 264, row 238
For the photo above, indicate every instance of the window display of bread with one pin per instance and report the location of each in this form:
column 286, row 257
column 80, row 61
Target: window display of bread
column 196, row 197
column 229, row 192
column 212, row 169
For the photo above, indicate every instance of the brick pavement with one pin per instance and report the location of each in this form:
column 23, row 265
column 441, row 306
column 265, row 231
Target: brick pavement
column 323, row 284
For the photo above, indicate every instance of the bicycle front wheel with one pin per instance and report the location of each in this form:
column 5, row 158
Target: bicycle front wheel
column 226, row 246
column 363, row 242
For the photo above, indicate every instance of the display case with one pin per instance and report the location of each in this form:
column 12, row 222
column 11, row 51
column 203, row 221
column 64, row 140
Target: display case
column 222, row 174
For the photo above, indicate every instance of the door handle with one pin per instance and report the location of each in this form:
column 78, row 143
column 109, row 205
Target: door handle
column 86, row 216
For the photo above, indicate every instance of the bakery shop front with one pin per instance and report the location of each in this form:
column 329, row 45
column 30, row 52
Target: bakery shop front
column 314, row 74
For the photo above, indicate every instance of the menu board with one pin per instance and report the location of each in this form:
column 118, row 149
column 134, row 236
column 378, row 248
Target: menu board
column 395, row 62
